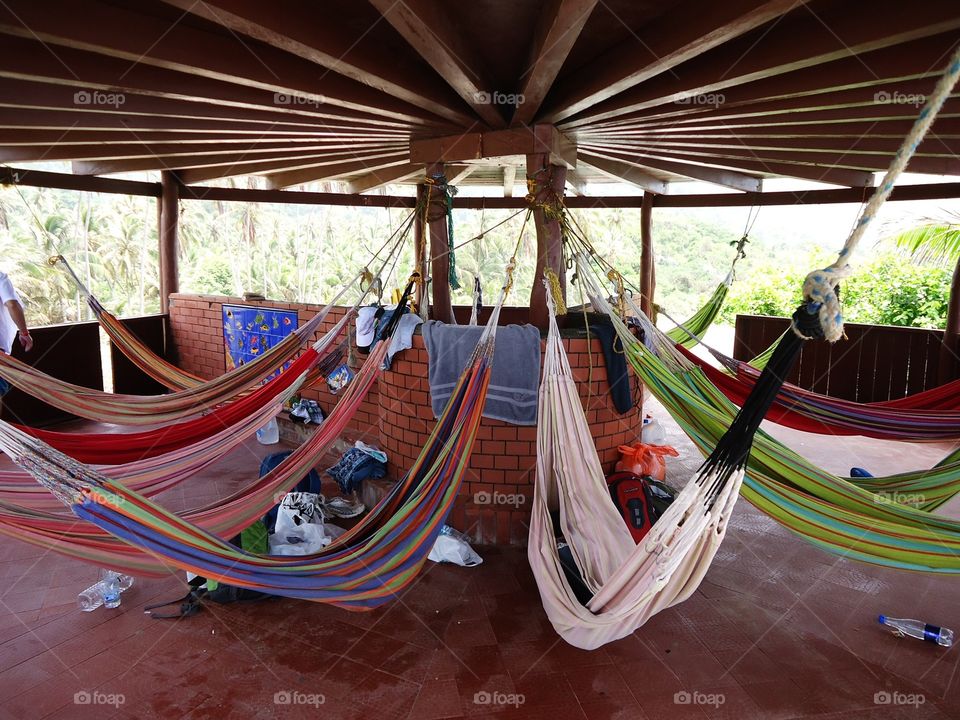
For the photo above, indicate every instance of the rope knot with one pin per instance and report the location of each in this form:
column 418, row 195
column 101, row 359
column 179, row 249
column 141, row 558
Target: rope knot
column 822, row 297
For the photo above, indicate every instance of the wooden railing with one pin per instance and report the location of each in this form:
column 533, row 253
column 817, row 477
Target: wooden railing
column 71, row 352
column 873, row 363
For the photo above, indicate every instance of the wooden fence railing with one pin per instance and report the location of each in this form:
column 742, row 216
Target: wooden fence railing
column 873, row 363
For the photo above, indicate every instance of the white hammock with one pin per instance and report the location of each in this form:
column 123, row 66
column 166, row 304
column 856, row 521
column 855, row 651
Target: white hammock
column 629, row 582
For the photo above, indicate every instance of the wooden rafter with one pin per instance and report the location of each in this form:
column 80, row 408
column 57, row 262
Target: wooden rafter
column 802, row 40
column 625, row 172
column 725, row 178
column 380, row 178
column 557, row 30
column 428, row 29
column 289, row 178
column 293, row 27
column 688, row 30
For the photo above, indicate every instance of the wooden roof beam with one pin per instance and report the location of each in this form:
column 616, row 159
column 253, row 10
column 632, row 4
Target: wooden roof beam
column 576, row 183
column 225, row 164
column 133, row 37
column 752, row 164
column 458, row 176
column 716, row 176
column 497, row 143
column 284, row 25
column 83, row 72
column 427, row 27
column 27, row 136
column 173, row 155
column 801, row 40
column 558, row 28
column 620, row 171
column 910, row 62
column 380, row 178
column 290, row 178
column 684, row 32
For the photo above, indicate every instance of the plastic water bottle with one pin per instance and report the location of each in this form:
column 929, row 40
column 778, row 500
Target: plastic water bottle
column 920, row 630
column 106, row 591
column 269, row 434
column 652, row 433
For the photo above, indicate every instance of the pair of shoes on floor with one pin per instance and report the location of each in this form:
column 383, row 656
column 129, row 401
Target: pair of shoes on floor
column 343, row 507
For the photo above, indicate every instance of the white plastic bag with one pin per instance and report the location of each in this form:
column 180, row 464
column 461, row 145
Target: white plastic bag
column 269, row 434
column 452, row 546
column 299, row 529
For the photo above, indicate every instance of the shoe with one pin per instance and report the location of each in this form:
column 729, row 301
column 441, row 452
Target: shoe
column 343, row 508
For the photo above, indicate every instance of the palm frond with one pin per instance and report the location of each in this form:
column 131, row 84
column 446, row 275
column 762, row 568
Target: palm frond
column 936, row 243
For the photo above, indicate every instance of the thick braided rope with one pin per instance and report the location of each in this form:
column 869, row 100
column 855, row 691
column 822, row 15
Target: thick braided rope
column 819, row 286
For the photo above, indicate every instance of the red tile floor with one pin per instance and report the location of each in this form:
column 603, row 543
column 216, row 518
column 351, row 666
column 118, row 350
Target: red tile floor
column 779, row 629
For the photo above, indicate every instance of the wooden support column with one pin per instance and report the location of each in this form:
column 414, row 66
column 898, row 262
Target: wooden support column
column 646, row 255
column 419, row 256
column 439, row 250
column 550, row 181
column 169, row 237
column 948, row 362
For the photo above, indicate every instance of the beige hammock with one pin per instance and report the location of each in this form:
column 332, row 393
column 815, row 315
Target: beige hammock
column 629, row 582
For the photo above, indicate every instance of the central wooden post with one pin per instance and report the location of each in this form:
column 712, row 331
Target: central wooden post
column 419, row 251
column 549, row 182
column 439, row 248
column 169, row 237
column 647, row 278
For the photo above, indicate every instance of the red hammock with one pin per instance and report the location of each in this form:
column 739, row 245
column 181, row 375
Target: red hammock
column 115, row 448
column 930, row 415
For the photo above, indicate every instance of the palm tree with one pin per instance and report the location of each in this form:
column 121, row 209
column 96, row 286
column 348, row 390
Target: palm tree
column 938, row 242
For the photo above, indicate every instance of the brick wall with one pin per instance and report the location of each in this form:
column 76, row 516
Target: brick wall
column 493, row 504
column 196, row 323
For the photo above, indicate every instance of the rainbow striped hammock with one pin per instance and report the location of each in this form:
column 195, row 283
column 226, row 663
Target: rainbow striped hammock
column 62, row 533
column 362, row 569
column 159, row 409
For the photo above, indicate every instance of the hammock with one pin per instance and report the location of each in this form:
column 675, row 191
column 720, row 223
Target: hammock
column 115, row 448
column 629, row 582
column 362, row 569
column 927, row 416
column 158, row 409
column 686, row 334
column 64, row 534
column 838, row 515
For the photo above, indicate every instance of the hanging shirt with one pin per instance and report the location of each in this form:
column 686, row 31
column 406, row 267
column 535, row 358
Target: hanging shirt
column 8, row 329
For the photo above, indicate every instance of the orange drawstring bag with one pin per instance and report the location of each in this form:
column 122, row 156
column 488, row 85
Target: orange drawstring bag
column 641, row 459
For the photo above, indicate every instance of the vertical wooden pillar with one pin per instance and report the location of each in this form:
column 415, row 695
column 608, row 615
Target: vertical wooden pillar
column 947, row 365
column 550, row 181
column 169, row 237
column 646, row 255
column 419, row 256
column 439, row 250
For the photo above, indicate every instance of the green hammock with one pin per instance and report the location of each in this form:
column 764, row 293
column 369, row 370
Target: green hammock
column 686, row 334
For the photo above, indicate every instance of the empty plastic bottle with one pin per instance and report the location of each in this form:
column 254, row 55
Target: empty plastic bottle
column 106, row 591
column 920, row 630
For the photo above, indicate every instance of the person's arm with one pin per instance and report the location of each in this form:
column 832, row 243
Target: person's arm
column 16, row 312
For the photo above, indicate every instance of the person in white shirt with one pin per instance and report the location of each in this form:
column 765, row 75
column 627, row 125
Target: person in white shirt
column 12, row 320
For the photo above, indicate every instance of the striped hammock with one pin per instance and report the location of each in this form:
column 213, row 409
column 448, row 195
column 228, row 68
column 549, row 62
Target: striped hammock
column 115, row 448
column 159, row 409
column 62, row 533
column 932, row 415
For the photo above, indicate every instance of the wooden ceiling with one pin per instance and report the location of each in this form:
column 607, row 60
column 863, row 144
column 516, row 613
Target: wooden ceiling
column 651, row 92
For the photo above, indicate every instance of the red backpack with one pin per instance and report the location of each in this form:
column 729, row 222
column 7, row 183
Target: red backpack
column 631, row 496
